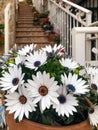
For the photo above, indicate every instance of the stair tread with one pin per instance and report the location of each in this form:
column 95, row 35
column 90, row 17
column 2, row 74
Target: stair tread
column 24, row 25
column 32, row 40
column 24, row 21
column 25, row 17
column 29, row 34
column 29, row 29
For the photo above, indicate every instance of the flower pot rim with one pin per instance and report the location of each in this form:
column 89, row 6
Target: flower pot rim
column 29, row 122
column 36, row 123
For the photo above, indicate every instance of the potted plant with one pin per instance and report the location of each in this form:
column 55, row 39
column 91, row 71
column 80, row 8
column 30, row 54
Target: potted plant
column 57, row 38
column 36, row 18
column 43, row 16
column 51, row 35
column 47, row 87
column 47, row 26
column 34, row 9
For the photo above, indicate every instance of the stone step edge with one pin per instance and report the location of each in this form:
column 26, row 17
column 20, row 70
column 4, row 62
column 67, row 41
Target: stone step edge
column 29, row 30
column 32, row 42
column 44, row 35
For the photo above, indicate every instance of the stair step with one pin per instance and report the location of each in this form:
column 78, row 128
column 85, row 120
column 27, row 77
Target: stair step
column 29, row 17
column 39, row 45
column 38, row 29
column 32, row 40
column 25, row 22
column 30, row 34
column 25, row 25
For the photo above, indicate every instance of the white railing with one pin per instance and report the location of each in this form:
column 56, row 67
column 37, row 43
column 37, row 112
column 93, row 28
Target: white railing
column 82, row 45
column 7, row 14
column 65, row 15
column 79, row 41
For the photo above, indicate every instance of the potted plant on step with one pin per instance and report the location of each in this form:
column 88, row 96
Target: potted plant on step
column 47, row 90
column 43, row 16
column 36, row 18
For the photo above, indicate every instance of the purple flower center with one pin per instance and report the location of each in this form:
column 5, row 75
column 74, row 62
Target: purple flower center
column 71, row 88
column 37, row 63
column 15, row 81
column 62, row 99
column 94, row 86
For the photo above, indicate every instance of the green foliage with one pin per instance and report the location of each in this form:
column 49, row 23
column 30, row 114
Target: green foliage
column 1, row 29
column 44, row 14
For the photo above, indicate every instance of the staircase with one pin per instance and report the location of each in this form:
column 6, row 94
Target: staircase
column 26, row 31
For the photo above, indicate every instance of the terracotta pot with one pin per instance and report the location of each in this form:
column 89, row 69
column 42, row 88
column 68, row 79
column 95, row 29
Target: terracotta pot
column 29, row 125
column 42, row 20
column 51, row 37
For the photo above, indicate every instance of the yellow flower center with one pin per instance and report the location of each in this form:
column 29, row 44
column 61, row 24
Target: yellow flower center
column 43, row 90
column 22, row 99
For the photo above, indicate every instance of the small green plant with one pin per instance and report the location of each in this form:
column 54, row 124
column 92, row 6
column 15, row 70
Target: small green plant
column 34, row 9
column 44, row 14
column 1, row 29
column 1, row 34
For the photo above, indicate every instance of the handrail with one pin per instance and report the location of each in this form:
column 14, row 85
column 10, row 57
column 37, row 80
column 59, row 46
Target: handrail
column 79, row 13
column 93, row 24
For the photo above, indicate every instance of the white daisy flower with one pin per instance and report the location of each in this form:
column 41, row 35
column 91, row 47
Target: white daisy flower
column 69, row 63
column 92, row 70
column 20, row 59
column 12, row 79
column 20, row 103
column 43, row 89
column 93, row 116
column 94, row 82
column 33, row 61
column 67, row 103
column 55, row 49
column 27, row 49
column 74, row 85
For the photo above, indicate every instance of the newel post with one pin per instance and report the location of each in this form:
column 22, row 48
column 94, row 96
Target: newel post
column 78, row 46
column 81, row 47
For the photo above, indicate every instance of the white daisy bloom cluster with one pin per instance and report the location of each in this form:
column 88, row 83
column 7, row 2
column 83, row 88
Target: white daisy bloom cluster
column 27, row 49
column 92, row 70
column 93, row 73
column 93, row 116
column 43, row 89
column 69, row 63
column 20, row 103
column 12, row 79
column 35, row 60
column 39, row 82
column 67, row 103
column 55, row 50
